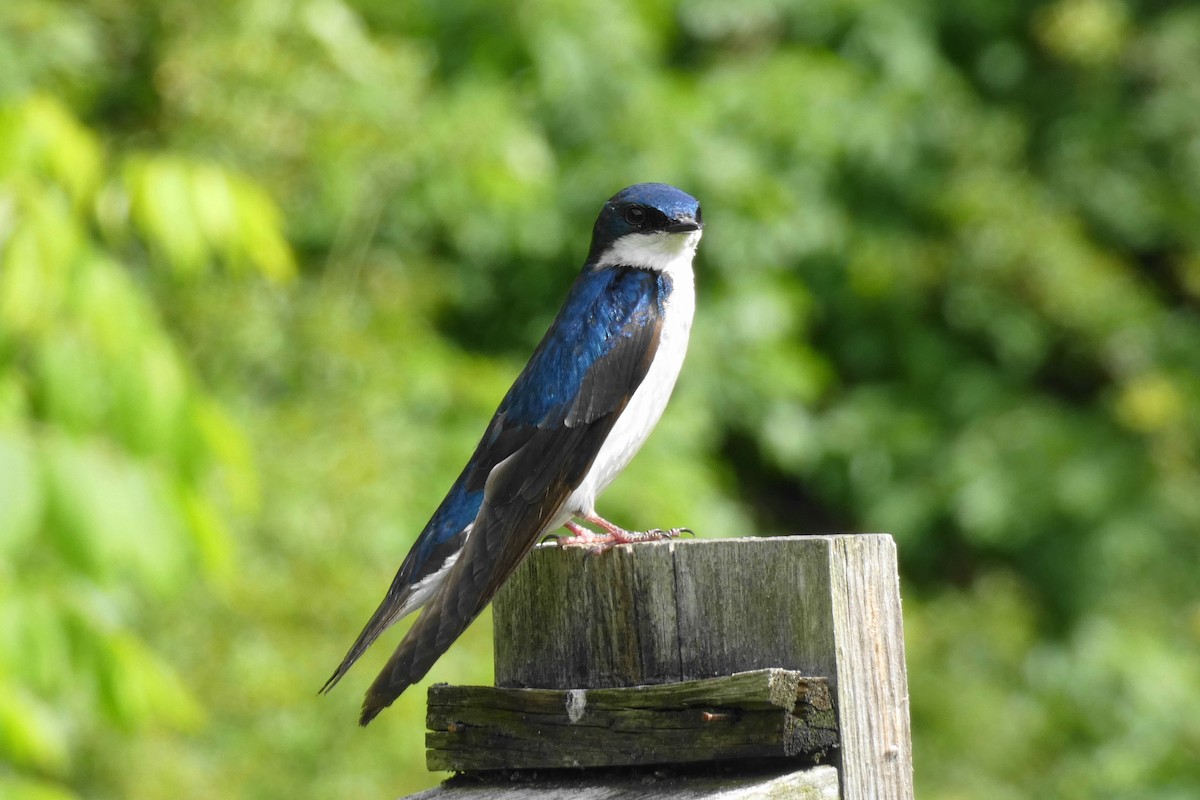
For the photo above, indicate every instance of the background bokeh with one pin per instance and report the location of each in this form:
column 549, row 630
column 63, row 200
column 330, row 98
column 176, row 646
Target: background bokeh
column 266, row 267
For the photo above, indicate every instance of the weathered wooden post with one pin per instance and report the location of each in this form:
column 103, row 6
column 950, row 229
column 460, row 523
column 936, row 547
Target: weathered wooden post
column 767, row 656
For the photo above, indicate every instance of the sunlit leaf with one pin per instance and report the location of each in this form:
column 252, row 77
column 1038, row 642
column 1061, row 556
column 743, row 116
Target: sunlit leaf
column 20, row 492
column 31, row 734
column 40, row 135
column 163, row 212
column 136, row 687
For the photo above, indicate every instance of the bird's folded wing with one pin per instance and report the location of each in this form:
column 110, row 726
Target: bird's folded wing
column 535, row 453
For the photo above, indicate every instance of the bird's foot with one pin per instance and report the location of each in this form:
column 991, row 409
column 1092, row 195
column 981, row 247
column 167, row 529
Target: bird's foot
column 582, row 537
column 613, row 535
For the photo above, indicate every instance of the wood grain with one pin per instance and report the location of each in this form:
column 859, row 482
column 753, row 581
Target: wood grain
column 568, row 613
column 750, row 715
column 872, row 680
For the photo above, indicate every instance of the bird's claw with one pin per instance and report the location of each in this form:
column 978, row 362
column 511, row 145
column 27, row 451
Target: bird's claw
column 673, row 533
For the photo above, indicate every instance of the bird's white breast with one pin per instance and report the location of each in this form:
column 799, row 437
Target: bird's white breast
column 671, row 255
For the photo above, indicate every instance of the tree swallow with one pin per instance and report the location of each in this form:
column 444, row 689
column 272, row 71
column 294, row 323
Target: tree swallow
column 576, row 415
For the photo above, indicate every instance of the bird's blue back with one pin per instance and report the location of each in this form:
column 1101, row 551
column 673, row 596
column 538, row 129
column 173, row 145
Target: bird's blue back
column 602, row 307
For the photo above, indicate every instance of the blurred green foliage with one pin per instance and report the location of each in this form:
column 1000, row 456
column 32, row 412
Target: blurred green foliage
column 267, row 267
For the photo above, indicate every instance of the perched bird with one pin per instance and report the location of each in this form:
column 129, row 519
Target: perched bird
column 576, row 415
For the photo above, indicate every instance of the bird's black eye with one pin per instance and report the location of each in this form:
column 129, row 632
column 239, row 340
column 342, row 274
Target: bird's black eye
column 635, row 216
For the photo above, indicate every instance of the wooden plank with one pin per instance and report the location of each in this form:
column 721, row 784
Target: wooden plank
column 755, row 603
column 762, row 714
column 812, row 783
column 619, row 608
column 826, row 606
column 872, row 682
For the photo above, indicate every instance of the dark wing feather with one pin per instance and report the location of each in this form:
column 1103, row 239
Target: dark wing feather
column 525, row 490
column 441, row 539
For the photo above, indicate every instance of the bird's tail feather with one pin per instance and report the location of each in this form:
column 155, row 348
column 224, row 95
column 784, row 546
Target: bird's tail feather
column 425, row 641
column 390, row 610
column 455, row 604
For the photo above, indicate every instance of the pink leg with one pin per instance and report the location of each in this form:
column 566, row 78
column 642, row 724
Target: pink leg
column 613, row 534
column 582, row 536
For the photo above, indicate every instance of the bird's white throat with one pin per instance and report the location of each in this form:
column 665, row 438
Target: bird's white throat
column 669, row 253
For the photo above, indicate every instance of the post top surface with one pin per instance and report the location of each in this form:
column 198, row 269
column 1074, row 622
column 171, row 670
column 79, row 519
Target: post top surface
column 704, row 542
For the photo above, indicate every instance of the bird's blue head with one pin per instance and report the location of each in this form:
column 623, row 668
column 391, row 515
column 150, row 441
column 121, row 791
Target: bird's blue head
column 644, row 224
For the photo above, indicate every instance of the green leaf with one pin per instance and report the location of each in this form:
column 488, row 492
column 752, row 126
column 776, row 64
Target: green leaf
column 112, row 517
column 19, row 788
column 21, row 500
column 136, row 687
column 31, row 733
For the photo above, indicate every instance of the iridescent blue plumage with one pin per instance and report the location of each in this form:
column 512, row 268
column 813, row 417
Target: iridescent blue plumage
column 558, row 436
column 602, row 308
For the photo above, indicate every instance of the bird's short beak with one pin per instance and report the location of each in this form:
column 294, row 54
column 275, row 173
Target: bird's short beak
column 684, row 225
